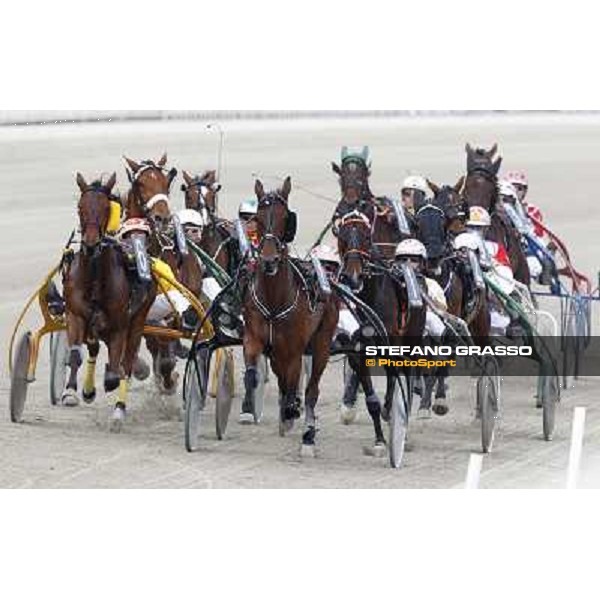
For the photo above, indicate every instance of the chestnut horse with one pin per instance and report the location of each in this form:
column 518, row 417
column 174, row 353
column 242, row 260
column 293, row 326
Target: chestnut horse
column 282, row 318
column 99, row 303
column 481, row 189
column 217, row 239
column 149, row 199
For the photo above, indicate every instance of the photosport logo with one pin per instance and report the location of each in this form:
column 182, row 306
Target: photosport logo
column 550, row 356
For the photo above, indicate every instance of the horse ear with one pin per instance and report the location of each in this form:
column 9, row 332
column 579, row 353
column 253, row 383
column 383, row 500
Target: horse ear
column 460, row 184
column 469, row 149
column 132, row 165
column 187, row 178
column 163, row 161
column 259, row 189
column 212, row 176
column 434, row 188
column 496, row 166
column 493, row 151
column 111, row 182
column 81, row 183
column 336, row 169
column 286, row 190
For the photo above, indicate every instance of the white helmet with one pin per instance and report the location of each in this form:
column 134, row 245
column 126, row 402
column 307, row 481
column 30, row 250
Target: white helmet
column 418, row 183
column 411, row 247
column 189, row 217
column 326, row 253
column 248, row 207
column 479, row 217
column 467, row 240
column 506, row 188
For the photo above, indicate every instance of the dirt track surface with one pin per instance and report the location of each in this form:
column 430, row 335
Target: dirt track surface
column 72, row 448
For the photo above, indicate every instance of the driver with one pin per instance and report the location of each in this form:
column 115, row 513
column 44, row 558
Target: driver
column 414, row 253
column 347, row 324
column 415, row 190
column 247, row 214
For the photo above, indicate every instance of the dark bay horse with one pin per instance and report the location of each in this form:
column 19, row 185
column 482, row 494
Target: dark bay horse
column 390, row 225
column 201, row 194
column 481, row 189
column 100, row 304
column 283, row 319
column 369, row 275
column 149, row 199
column 438, row 222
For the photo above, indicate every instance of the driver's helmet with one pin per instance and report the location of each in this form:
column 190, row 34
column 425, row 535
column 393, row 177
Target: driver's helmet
column 479, row 218
column 467, row 241
column 248, row 209
column 191, row 218
column 417, row 183
column 327, row 254
column 415, row 191
column 411, row 250
column 519, row 180
column 134, row 225
column 508, row 192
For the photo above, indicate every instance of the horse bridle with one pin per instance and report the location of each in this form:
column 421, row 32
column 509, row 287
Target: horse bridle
column 355, row 218
column 198, row 184
column 134, row 178
column 98, row 190
column 269, row 201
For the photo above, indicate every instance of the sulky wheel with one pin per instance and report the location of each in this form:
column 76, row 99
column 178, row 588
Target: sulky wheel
column 398, row 426
column 487, row 401
column 549, row 392
column 58, row 365
column 195, row 391
column 225, row 389
column 19, row 380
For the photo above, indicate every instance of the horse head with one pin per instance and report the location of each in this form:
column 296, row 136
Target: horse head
column 354, row 235
column 150, row 187
column 276, row 225
column 201, row 192
column 94, row 210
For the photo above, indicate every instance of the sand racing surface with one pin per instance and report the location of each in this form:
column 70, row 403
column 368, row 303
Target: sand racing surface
column 59, row 447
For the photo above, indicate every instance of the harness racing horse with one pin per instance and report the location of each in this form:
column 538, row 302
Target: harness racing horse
column 382, row 287
column 437, row 223
column 148, row 198
column 481, row 189
column 217, row 236
column 282, row 318
column 100, row 304
column 390, row 225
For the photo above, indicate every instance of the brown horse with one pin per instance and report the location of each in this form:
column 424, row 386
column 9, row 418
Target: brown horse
column 201, row 194
column 481, row 189
column 148, row 198
column 283, row 319
column 99, row 302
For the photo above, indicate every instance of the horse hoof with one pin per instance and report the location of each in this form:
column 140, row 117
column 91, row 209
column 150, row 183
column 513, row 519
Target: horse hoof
column 246, row 419
column 141, row 369
column 89, row 397
column 385, row 414
column 308, row 451
column 348, row 414
column 285, row 427
column 538, row 403
column 70, row 399
column 441, row 410
column 377, row 450
column 424, row 414
column 117, row 420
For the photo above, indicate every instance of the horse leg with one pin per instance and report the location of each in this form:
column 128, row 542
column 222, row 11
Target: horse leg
column 253, row 349
column 115, row 384
column 167, row 365
column 424, row 411
column 75, row 335
column 89, row 380
column 440, row 406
